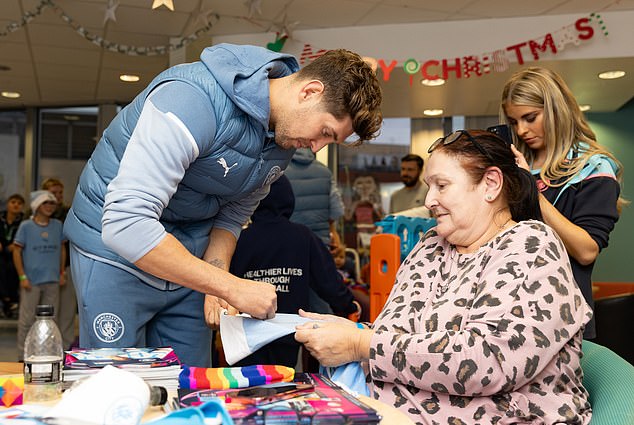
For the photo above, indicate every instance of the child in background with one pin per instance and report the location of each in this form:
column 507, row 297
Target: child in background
column 345, row 267
column 359, row 289
column 9, row 223
column 39, row 256
column 67, row 299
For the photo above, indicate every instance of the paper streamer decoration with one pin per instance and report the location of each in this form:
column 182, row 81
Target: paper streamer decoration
column 219, row 378
column 11, row 390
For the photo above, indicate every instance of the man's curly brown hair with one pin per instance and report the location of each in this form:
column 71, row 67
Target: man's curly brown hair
column 351, row 88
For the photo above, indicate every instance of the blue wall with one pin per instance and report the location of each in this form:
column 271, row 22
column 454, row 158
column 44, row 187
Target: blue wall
column 616, row 132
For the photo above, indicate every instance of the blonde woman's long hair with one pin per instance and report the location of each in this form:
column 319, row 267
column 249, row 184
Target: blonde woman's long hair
column 565, row 126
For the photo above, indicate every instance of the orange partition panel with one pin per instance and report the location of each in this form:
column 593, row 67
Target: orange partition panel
column 608, row 289
column 385, row 258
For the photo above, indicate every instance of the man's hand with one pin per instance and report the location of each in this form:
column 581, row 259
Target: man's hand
column 255, row 298
column 213, row 310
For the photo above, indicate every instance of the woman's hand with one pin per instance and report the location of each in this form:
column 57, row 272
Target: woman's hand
column 333, row 340
column 519, row 159
column 325, row 318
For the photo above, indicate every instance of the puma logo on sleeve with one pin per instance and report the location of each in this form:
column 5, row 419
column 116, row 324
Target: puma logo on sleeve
column 223, row 162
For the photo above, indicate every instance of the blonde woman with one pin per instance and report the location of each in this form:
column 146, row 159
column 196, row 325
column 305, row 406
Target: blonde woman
column 577, row 177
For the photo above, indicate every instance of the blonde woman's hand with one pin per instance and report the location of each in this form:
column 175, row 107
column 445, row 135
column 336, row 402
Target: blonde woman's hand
column 519, row 159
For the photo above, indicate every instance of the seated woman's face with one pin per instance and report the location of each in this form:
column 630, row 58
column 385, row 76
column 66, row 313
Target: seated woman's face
column 454, row 200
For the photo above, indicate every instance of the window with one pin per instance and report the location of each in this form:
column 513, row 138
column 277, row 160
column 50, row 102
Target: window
column 68, row 133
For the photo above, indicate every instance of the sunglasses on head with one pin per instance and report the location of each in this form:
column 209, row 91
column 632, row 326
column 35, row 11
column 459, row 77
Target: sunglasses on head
column 450, row 138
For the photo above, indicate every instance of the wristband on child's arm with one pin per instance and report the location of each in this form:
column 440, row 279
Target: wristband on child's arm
column 22, row 277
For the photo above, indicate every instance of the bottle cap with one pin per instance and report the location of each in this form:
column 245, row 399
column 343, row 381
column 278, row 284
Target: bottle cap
column 44, row 310
column 158, row 395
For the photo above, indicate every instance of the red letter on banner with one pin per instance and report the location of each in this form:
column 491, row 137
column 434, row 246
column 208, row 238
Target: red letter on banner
column 387, row 70
column 446, row 68
column 585, row 32
column 517, row 48
column 426, row 74
column 548, row 42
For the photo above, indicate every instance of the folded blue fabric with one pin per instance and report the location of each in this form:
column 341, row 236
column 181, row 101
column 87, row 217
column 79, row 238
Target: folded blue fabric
column 211, row 412
column 243, row 335
column 350, row 376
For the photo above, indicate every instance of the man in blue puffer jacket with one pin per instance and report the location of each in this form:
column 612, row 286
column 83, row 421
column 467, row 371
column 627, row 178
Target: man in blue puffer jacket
column 318, row 205
column 318, row 202
column 161, row 202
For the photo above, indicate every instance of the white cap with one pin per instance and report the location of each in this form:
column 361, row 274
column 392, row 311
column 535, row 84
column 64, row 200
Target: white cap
column 38, row 197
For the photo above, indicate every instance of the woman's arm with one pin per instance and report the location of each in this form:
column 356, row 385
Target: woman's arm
column 577, row 241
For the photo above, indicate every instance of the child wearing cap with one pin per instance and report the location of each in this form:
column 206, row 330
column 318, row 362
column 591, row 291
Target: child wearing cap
column 39, row 256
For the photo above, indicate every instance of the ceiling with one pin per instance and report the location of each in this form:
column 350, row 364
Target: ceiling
column 50, row 63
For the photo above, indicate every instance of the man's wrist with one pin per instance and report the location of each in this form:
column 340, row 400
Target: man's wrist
column 22, row 277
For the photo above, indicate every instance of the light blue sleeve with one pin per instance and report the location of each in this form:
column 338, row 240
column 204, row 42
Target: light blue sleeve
column 20, row 237
column 167, row 138
column 234, row 215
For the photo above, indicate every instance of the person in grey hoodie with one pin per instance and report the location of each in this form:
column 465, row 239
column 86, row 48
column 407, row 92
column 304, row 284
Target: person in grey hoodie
column 160, row 204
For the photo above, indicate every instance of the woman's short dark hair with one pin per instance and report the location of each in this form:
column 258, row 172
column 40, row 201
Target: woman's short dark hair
column 519, row 187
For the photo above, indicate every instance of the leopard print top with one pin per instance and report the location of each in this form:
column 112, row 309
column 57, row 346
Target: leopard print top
column 487, row 337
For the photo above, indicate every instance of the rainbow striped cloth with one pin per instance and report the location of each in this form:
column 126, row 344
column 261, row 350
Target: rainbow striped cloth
column 218, row 378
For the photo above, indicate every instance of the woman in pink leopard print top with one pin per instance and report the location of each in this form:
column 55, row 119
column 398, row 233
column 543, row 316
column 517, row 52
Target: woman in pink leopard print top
column 484, row 323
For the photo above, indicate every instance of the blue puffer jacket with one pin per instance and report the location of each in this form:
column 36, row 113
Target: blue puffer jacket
column 192, row 151
column 312, row 184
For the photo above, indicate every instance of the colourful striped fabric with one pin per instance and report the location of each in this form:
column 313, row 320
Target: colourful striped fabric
column 218, row 378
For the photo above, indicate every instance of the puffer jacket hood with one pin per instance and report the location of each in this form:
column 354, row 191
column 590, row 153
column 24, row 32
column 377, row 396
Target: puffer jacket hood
column 280, row 202
column 242, row 70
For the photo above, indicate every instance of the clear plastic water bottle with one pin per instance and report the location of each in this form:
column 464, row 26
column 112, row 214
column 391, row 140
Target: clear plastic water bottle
column 43, row 357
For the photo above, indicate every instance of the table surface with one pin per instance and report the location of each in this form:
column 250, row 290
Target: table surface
column 390, row 415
